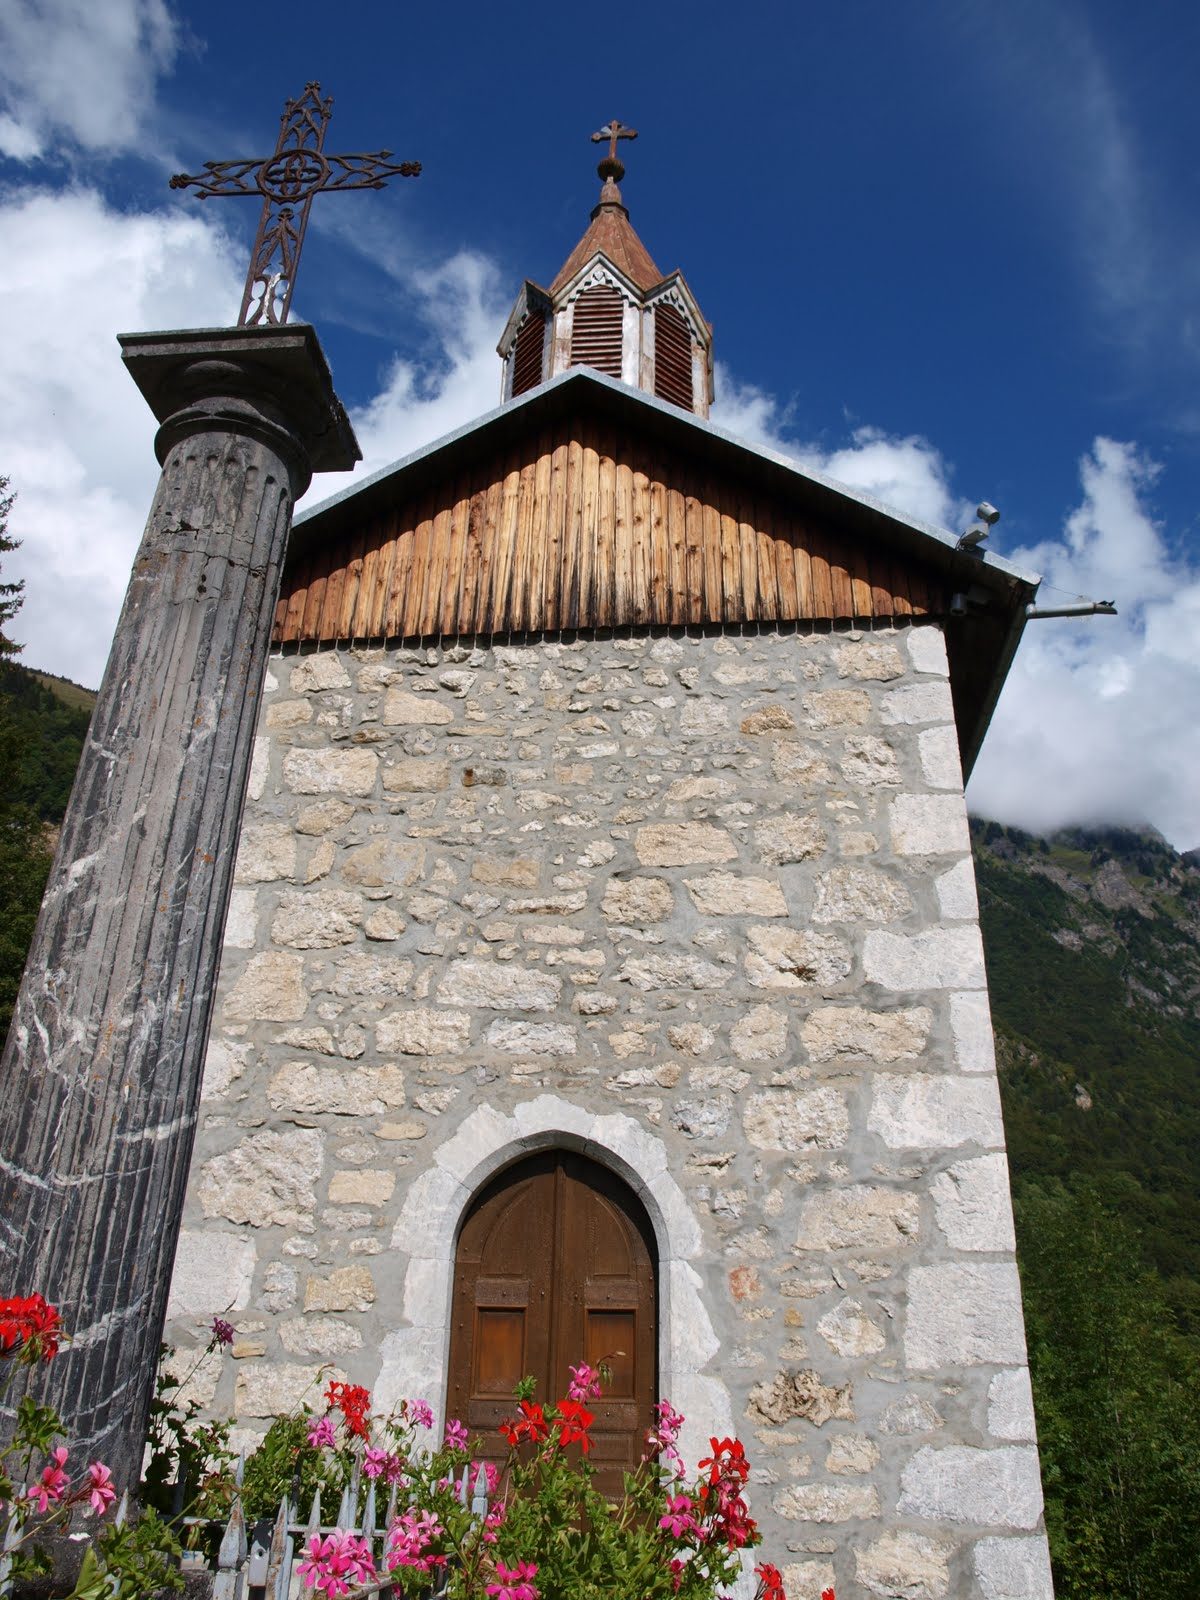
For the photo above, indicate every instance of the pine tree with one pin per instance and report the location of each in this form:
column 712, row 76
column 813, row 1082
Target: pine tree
column 11, row 594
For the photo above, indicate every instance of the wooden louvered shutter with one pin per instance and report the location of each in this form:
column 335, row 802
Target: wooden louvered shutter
column 672, row 357
column 527, row 353
column 596, row 330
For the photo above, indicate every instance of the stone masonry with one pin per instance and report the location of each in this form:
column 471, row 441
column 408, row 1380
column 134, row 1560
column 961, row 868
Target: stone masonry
column 702, row 905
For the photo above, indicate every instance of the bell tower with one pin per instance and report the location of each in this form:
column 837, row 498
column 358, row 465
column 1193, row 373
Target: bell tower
column 611, row 309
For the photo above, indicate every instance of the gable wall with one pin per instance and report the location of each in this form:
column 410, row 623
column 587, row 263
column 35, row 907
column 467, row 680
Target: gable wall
column 585, row 529
column 704, row 907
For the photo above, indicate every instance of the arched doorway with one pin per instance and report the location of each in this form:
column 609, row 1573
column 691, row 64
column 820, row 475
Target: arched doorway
column 555, row 1264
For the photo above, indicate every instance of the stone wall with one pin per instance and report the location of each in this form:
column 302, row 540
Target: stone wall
column 703, row 906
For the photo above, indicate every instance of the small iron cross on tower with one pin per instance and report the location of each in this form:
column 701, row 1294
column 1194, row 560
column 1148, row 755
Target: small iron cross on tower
column 610, row 165
column 287, row 181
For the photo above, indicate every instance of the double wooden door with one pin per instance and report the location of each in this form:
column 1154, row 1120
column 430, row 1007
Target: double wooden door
column 556, row 1265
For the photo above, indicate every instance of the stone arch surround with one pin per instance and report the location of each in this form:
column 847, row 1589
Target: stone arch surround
column 413, row 1358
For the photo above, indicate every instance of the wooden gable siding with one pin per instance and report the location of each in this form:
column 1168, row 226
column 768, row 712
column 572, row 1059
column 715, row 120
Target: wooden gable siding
column 579, row 528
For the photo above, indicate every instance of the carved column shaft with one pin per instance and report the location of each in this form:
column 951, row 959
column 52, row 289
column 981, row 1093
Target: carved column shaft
column 100, row 1081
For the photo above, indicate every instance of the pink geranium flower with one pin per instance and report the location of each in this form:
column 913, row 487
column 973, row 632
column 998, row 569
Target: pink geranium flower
column 680, row 1518
column 584, row 1384
column 421, row 1413
column 53, row 1483
column 101, row 1493
column 514, row 1582
column 333, row 1563
column 320, row 1433
column 456, row 1434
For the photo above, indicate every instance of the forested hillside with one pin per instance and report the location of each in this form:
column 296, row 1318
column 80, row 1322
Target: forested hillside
column 1093, row 947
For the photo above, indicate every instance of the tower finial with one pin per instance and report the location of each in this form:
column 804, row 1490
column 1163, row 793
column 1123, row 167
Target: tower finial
column 610, row 168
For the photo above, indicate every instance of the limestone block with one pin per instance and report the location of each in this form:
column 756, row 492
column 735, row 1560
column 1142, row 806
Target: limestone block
column 692, row 1038
column 911, row 1413
column 727, row 894
column 837, row 708
column 213, row 1273
column 869, row 762
column 322, row 1338
column 345, row 1289
column 971, row 1029
column 637, row 901
column 858, row 1216
column 927, row 650
column 260, row 767
column 883, row 1036
column 416, row 774
column 807, row 1580
column 917, row 702
column 672, row 972
column 769, row 720
column 999, row 1487
column 1014, row 1569
column 371, row 975
column 314, row 1091
column 849, row 1331
column 699, row 789
column 761, row 1035
column 784, row 958
column 270, row 989
column 197, row 1377
column 963, row 1313
column 265, row 1389
column 423, row 1031
column 498, row 986
column 869, row 659
column 268, row 1180
column 385, row 864
column 972, row 1203
column 241, row 920
column 703, row 1118
column 929, row 1112
column 330, row 771
column 859, row 894
column 957, row 899
column 789, row 836
column 401, row 1130
column 321, row 671
column 803, row 764
column 941, row 762
column 851, row 1454
column 280, row 1284
column 800, row 1394
column 267, row 851
column 785, row 1119
column 929, row 824
column 224, row 1064
column 703, row 717
column 903, row 1565
column 284, row 714
column 682, row 844
column 324, row 816
column 402, row 709
column 939, row 958
column 317, row 921
column 827, row 1502
column 517, row 872
column 384, row 925
column 533, row 1038
column 362, row 1186
column 1010, row 1406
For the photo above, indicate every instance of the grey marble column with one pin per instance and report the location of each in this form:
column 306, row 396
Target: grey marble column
column 100, row 1080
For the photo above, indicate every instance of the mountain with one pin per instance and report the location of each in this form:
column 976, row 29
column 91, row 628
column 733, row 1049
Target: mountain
column 1093, row 948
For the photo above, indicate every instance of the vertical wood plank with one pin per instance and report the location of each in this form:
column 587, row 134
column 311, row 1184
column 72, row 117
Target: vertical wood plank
column 449, row 617
column 357, row 548
column 822, row 578
column 587, row 606
column 732, row 600
column 712, row 605
column 639, row 537
column 768, row 576
column 660, row 554
column 677, row 540
column 293, row 620
column 751, row 606
column 397, row 601
column 436, row 568
column 549, row 585
column 381, row 576
column 605, row 568
column 472, row 557
column 623, row 599
column 568, row 585
column 331, row 600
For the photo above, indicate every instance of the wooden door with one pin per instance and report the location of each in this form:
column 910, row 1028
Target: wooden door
column 556, row 1264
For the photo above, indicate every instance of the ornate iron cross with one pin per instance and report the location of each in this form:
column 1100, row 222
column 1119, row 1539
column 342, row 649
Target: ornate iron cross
column 610, row 165
column 287, row 181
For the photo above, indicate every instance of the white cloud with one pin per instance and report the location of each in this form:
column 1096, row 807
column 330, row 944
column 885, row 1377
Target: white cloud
column 1098, row 720
column 77, row 436
column 80, row 70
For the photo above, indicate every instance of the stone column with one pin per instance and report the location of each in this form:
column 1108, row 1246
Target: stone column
column 100, row 1080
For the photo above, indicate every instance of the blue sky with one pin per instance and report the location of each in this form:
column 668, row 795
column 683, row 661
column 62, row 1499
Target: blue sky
column 949, row 250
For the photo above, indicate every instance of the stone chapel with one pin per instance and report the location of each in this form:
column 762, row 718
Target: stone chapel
column 603, row 976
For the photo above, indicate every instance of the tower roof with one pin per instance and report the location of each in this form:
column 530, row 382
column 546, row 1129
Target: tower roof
column 612, row 234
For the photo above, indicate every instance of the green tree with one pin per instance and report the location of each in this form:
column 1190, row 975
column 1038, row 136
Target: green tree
column 1118, row 1403
column 25, row 853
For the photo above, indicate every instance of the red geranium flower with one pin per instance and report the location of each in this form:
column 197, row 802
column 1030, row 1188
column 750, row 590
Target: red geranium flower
column 573, row 1424
column 31, row 1327
column 532, row 1425
column 770, row 1582
column 354, row 1402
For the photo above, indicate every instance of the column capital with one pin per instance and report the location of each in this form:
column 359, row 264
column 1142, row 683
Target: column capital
column 271, row 383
